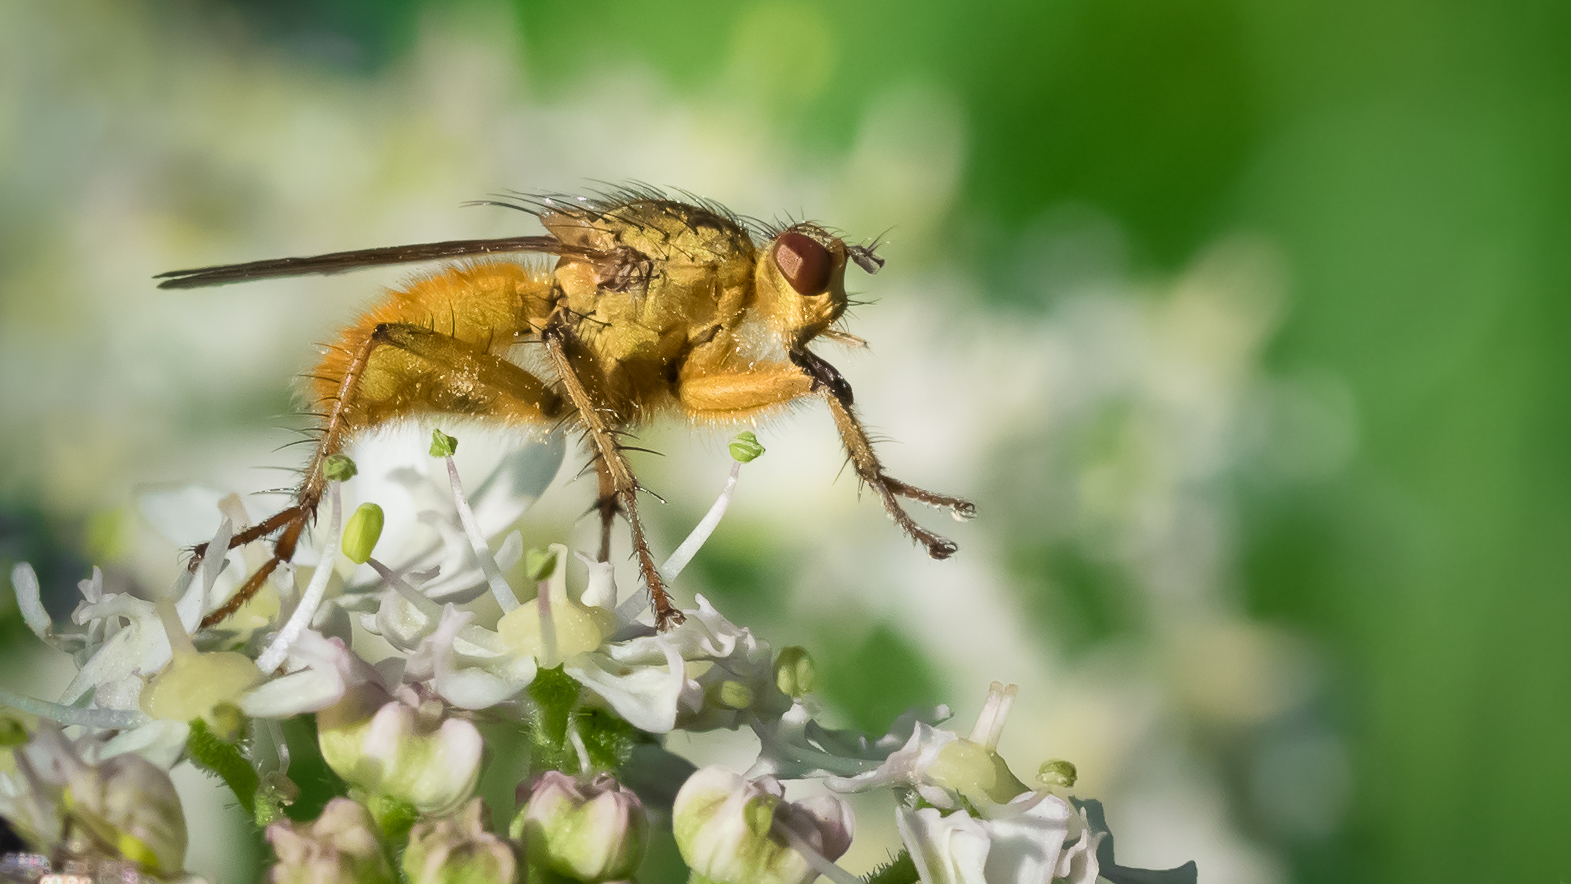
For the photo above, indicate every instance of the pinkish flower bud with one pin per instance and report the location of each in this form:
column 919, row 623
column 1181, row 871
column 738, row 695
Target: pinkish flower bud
column 589, row 831
column 458, row 850
column 736, row 831
column 339, row 847
column 419, row 756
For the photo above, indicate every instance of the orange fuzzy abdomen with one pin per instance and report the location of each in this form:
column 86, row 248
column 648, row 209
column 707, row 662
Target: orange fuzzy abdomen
column 491, row 305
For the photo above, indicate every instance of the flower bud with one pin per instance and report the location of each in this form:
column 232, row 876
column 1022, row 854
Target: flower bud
column 413, row 755
column 458, row 850
column 129, row 804
column 339, row 847
column 737, row 831
column 592, row 832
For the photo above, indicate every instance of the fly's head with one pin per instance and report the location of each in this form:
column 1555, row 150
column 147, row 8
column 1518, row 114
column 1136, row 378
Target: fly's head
column 800, row 281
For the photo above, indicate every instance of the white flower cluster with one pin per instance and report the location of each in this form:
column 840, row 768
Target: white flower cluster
column 585, row 676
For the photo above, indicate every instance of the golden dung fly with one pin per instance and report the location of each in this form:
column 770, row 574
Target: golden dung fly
column 654, row 306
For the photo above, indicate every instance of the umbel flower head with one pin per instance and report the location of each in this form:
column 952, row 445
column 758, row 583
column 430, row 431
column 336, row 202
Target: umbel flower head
column 570, row 665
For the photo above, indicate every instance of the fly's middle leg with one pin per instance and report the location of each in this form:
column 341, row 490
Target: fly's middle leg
column 581, row 381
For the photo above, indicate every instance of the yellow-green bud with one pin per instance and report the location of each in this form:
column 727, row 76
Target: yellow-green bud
column 1057, row 773
column 589, row 831
column 795, row 673
column 442, row 445
column 458, row 850
column 745, row 447
column 362, row 533
column 338, row 468
column 387, row 748
column 727, row 829
column 340, row 846
column 539, row 564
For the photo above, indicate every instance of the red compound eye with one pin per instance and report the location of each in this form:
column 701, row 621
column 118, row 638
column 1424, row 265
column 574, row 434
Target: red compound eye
column 804, row 262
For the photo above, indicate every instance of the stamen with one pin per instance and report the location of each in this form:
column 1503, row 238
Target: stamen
column 990, row 724
column 179, row 640
column 276, row 652
column 706, row 526
column 108, row 719
column 413, row 596
column 493, row 574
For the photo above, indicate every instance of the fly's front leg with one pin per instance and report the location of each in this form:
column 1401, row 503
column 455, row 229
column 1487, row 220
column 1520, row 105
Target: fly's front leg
column 829, row 384
column 581, row 380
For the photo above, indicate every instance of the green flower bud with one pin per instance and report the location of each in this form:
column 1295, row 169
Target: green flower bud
column 733, row 831
column 1057, row 773
column 442, row 445
column 458, row 850
column 339, row 847
column 392, row 749
column 745, row 447
column 590, row 831
column 362, row 533
column 795, row 673
column 129, row 804
column 338, row 468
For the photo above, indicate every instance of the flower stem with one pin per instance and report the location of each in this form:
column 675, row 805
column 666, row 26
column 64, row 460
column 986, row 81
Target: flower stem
column 493, row 574
column 705, row 527
column 278, row 651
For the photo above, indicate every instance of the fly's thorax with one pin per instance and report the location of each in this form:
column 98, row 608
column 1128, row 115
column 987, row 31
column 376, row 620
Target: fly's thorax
column 800, row 282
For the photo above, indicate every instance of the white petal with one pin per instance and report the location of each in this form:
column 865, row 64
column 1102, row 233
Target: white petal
column 646, row 696
column 160, row 742
column 511, row 551
column 1027, row 835
column 946, row 849
column 309, row 690
column 183, row 515
column 25, row 580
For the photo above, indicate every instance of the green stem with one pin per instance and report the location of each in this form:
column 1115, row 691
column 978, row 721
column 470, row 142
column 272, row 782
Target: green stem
column 224, row 760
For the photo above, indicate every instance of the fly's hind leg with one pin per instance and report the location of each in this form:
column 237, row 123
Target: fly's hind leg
column 470, row 381
column 583, row 384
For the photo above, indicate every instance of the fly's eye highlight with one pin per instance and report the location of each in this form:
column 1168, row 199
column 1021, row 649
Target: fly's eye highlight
column 804, row 262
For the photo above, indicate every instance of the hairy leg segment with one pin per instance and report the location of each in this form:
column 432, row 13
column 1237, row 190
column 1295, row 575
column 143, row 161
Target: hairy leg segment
column 470, row 382
column 581, row 381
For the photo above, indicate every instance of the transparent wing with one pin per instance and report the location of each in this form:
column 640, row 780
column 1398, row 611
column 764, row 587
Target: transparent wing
column 339, row 262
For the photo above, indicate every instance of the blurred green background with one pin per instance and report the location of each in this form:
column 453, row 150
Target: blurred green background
column 1396, row 177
